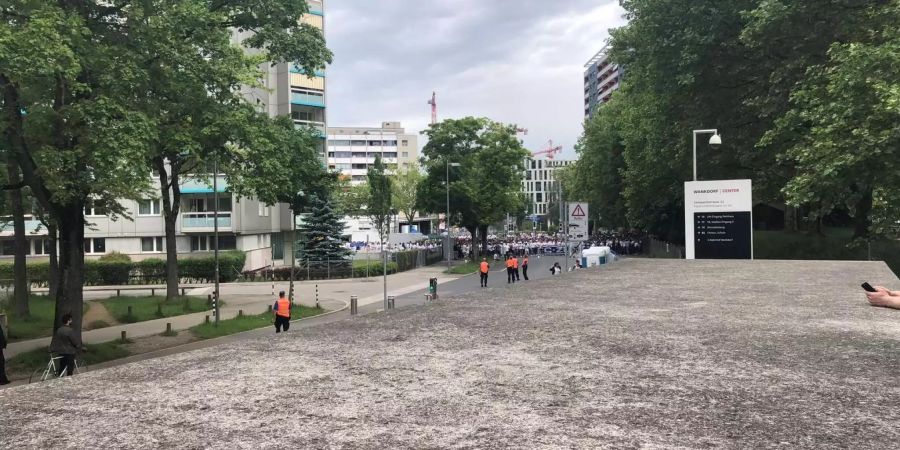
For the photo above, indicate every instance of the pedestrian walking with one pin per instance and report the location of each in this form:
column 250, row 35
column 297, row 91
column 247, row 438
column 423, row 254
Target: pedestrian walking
column 282, row 313
column 66, row 343
column 485, row 268
column 525, row 267
column 516, row 267
column 3, row 378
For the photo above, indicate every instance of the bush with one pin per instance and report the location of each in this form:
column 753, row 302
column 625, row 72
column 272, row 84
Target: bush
column 111, row 269
column 151, row 271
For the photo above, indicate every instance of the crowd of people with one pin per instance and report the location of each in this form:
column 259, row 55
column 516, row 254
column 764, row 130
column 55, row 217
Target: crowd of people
column 627, row 243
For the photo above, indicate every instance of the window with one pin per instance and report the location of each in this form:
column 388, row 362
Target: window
column 539, row 197
column 359, row 154
column 358, row 143
column 339, row 142
column 226, row 242
column 197, row 205
column 404, row 143
column 374, row 143
column 199, row 244
column 152, row 244
column 92, row 208
column 149, row 208
column 263, row 210
column 404, row 154
column 41, row 246
column 389, row 155
column 277, row 246
column 95, row 245
column 8, row 247
column 389, row 143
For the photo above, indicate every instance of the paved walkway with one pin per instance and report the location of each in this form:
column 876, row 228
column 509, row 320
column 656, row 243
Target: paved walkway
column 254, row 298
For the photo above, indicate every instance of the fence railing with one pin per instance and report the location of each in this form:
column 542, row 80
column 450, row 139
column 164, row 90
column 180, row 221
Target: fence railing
column 655, row 248
column 305, row 269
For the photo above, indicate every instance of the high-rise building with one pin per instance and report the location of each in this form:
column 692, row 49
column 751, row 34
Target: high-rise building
column 539, row 183
column 601, row 78
column 352, row 150
column 245, row 224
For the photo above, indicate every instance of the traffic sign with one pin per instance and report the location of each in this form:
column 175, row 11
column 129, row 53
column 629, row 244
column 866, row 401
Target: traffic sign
column 578, row 220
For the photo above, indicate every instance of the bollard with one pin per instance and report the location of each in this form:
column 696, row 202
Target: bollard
column 240, row 312
column 207, row 319
column 317, row 296
column 390, row 302
column 118, row 292
column 353, row 305
column 129, row 311
column 153, row 292
column 124, row 339
column 168, row 327
column 209, row 299
column 183, row 290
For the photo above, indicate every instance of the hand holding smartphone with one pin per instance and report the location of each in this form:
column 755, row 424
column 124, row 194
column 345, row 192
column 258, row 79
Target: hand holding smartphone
column 868, row 287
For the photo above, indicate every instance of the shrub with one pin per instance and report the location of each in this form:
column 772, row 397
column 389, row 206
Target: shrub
column 115, row 257
column 151, row 271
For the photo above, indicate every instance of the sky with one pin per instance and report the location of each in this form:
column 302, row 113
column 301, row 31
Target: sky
column 514, row 61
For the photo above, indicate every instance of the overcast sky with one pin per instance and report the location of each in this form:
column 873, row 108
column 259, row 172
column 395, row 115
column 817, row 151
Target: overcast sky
column 515, row 61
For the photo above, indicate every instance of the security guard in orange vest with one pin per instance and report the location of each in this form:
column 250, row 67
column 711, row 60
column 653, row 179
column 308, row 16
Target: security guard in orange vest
column 525, row 268
column 516, row 267
column 282, row 310
column 485, row 267
column 510, row 272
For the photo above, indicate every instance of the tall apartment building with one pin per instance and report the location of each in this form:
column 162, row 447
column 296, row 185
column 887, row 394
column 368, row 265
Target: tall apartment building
column 601, row 78
column 539, row 184
column 352, row 150
column 244, row 223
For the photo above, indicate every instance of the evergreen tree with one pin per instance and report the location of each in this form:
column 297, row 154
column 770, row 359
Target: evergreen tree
column 321, row 235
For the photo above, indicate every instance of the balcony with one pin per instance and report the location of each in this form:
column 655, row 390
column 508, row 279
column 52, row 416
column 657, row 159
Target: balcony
column 319, row 126
column 203, row 221
column 315, row 7
column 299, row 98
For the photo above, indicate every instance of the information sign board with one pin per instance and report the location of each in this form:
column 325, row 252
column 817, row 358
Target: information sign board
column 718, row 219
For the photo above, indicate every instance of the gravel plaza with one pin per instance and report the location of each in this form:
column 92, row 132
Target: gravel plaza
column 637, row 354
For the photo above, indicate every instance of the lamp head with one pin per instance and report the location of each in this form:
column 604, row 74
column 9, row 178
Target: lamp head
column 715, row 141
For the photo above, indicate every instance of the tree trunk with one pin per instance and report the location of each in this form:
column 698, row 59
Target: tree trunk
column 482, row 231
column 861, row 219
column 70, row 298
column 54, row 282
column 170, row 194
column 20, row 275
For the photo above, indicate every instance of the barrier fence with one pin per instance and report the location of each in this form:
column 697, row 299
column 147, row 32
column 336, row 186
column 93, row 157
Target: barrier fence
column 370, row 266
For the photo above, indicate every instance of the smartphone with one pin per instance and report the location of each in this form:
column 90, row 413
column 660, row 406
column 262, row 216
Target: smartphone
column 868, row 287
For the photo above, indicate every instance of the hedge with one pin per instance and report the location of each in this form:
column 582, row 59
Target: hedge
column 117, row 270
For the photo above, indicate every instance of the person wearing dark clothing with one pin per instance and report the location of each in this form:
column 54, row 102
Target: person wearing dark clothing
column 3, row 379
column 66, row 343
column 525, row 267
column 484, row 269
column 510, row 275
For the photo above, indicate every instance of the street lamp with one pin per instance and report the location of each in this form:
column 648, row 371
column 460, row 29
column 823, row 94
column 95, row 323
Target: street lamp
column 216, row 231
column 447, row 217
column 715, row 141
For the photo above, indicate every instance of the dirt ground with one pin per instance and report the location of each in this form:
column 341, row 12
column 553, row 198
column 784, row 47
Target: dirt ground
column 639, row 354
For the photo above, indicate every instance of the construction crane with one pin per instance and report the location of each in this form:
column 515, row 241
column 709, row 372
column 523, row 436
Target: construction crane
column 522, row 130
column 433, row 103
column 550, row 151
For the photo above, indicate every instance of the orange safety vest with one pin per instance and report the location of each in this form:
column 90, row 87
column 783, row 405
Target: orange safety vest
column 284, row 307
column 509, row 263
column 515, row 263
column 484, row 267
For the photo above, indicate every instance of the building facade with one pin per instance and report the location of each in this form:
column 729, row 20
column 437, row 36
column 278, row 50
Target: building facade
column 539, row 183
column 260, row 231
column 601, row 79
column 352, row 150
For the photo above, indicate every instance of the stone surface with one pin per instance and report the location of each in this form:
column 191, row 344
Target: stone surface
column 644, row 353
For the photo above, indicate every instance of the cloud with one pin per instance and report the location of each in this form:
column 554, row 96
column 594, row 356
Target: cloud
column 516, row 61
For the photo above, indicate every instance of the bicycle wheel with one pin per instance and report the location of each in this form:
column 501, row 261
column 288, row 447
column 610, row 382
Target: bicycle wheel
column 39, row 375
column 80, row 367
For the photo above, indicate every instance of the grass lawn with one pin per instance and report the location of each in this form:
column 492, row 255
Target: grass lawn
column 39, row 324
column 465, row 268
column 24, row 364
column 147, row 307
column 246, row 323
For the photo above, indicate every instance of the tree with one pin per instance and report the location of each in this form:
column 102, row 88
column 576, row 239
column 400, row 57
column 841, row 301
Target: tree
column 486, row 186
column 20, row 244
column 379, row 207
column 322, row 230
column 405, row 189
column 351, row 200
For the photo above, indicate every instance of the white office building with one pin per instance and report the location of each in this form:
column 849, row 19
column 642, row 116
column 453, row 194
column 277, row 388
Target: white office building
column 539, row 183
column 352, row 150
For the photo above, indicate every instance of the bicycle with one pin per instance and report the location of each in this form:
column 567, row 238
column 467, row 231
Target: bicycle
column 46, row 373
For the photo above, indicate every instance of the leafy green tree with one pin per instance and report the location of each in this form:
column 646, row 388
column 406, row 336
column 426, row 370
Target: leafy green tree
column 322, row 231
column 405, row 190
column 486, row 186
column 379, row 206
column 352, row 199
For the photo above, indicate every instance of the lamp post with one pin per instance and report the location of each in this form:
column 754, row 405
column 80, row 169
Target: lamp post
column 447, row 217
column 216, row 229
column 715, row 141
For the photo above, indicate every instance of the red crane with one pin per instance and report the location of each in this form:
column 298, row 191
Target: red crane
column 433, row 103
column 550, row 151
